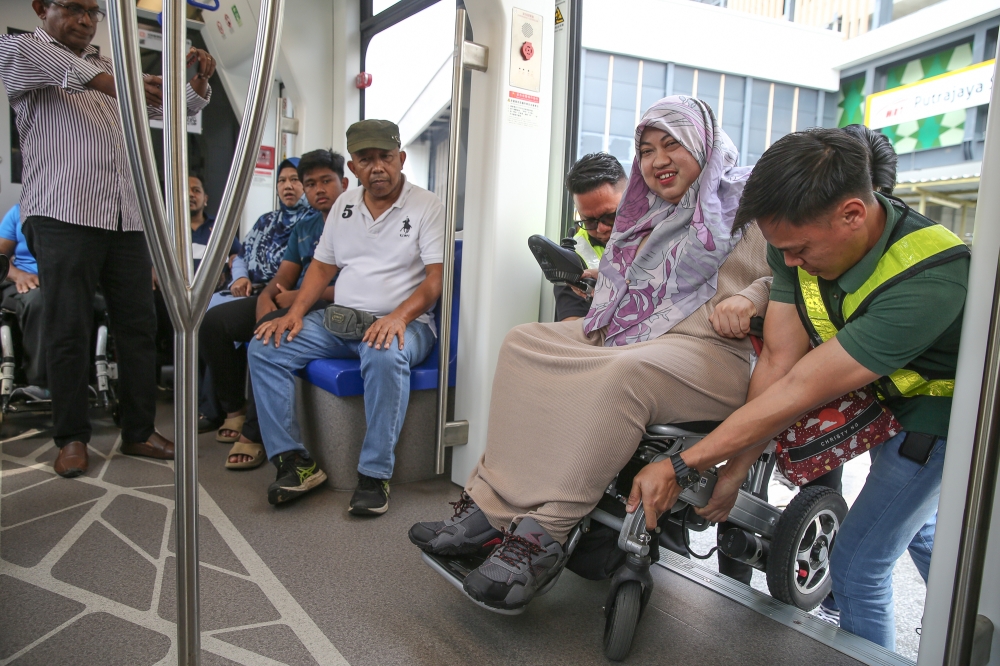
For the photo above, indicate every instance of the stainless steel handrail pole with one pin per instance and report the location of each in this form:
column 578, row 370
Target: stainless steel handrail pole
column 986, row 448
column 471, row 56
column 168, row 235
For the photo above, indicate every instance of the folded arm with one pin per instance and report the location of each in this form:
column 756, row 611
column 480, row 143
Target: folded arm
column 315, row 284
column 27, row 64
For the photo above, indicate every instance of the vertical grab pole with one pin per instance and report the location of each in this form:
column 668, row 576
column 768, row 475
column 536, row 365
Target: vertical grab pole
column 986, row 447
column 175, row 169
column 472, row 56
column 185, row 292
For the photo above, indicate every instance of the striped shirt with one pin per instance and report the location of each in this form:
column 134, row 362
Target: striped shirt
column 75, row 168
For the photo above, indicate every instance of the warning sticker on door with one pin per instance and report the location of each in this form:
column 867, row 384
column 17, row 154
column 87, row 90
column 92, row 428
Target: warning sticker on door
column 523, row 109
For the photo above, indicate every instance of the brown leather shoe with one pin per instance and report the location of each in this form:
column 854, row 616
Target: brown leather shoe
column 157, row 446
column 72, row 460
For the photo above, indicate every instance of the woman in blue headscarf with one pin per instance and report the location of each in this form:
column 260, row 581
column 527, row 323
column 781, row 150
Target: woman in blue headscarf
column 265, row 245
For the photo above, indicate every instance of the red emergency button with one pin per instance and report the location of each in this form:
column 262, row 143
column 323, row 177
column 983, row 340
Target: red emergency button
column 527, row 50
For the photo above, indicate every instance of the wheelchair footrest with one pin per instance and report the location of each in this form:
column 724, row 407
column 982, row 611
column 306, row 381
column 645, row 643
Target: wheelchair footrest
column 455, row 569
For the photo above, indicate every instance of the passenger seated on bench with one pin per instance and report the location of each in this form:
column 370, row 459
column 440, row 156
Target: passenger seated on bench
column 811, row 194
column 229, row 325
column 597, row 182
column 384, row 241
column 665, row 341
column 21, row 295
column 258, row 263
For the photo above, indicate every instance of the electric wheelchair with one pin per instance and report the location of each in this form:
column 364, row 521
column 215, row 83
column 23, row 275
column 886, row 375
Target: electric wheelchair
column 792, row 546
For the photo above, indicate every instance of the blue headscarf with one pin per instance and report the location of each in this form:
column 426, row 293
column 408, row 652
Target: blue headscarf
column 265, row 245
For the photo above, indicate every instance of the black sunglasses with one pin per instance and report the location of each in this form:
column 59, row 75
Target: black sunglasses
column 75, row 10
column 590, row 223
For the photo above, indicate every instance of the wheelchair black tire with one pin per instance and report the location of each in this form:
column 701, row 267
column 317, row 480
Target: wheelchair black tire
column 792, row 529
column 623, row 617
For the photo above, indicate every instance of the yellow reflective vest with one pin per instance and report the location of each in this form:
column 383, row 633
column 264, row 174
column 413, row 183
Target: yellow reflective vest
column 916, row 244
column 591, row 254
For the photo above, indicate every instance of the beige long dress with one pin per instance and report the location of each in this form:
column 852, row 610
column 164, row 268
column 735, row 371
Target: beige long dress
column 567, row 413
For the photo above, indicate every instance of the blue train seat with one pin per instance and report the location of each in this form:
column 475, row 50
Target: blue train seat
column 342, row 376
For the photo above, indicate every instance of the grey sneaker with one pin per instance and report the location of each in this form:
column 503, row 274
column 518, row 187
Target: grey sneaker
column 467, row 532
column 525, row 563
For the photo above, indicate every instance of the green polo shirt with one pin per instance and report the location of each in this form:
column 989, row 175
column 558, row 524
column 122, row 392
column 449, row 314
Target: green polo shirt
column 916, row 322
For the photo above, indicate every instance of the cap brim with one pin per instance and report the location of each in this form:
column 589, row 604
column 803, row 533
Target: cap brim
column 364, row 144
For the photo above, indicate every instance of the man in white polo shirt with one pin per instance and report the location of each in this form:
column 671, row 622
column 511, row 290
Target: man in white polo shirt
column 385, row 243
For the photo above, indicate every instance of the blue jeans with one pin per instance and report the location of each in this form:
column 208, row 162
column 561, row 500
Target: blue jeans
column 386, row 375
column 896, row 511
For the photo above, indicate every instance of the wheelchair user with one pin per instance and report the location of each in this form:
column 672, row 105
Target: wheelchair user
column 665, row 341
column 811, row 194
column 21, row 294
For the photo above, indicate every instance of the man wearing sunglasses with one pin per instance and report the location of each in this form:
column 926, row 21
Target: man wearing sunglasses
column 597, row 182
column 80, row 216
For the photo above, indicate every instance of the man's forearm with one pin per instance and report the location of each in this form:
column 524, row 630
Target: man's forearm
column 316, row 280
column 421, row 300
column 820, row 376
column 104, row 83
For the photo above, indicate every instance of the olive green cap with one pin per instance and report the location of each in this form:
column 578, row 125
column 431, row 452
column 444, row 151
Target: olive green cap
column 381, row 134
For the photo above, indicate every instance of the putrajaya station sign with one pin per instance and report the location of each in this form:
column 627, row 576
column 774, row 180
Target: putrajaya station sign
column 962, row 89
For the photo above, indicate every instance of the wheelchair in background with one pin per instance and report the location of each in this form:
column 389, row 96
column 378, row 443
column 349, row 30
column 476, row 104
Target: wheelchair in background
column 16, row 398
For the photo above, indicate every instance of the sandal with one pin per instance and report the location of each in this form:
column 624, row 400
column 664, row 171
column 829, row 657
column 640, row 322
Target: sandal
column 246, row 449
column 234, row 424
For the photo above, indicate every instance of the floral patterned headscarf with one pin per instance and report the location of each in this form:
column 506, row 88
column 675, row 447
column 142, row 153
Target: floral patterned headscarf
column 642, row 294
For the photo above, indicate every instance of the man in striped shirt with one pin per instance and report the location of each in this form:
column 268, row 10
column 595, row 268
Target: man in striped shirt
column 80, row 216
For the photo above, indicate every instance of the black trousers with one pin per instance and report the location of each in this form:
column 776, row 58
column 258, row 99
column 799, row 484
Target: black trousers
column 744, row 572
column 27, row 309
column 72, row 261
column 223, row 327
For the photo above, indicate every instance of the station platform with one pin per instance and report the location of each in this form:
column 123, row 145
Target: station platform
column 87, row 577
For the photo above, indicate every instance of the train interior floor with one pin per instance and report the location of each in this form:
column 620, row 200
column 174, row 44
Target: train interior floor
column 87, row 577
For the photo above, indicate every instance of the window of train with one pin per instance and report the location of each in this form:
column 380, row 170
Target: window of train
column 609, row 113
column 411, row 67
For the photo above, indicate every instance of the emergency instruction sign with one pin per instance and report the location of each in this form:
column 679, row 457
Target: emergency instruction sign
column 523, row 109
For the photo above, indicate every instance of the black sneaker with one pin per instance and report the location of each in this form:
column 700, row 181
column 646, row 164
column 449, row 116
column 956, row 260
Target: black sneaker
column 371, row 498
column 297, row 475
column 527, row 563
column 467, row 532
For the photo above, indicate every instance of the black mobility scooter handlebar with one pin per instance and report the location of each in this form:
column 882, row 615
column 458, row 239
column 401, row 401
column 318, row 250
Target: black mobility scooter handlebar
column 560, row 263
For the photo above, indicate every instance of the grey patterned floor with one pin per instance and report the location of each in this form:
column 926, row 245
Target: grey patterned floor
column 87, row 577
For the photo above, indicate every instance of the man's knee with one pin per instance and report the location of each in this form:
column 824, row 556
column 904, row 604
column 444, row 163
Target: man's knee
column 392, row 359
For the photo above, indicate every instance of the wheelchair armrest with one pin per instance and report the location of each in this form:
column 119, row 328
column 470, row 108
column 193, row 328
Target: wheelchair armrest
column 682, row 429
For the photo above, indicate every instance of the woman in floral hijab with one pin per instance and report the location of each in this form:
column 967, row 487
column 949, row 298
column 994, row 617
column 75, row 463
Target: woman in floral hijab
column 664, row 342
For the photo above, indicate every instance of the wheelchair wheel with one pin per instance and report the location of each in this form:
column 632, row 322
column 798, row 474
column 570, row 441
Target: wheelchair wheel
column 798, row 566
column 622, row 620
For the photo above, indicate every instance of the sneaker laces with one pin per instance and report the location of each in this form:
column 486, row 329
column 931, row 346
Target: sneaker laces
column 516, row 549
column 370, row 483
column 463, row 504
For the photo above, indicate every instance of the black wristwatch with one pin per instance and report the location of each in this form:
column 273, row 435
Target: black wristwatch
column 686, row 477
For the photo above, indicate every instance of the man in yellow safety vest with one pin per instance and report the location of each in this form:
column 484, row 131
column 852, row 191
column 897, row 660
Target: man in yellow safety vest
column 597, row 182
column 876, row 291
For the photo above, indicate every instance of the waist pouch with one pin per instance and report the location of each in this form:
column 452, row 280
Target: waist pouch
column 829, row 436
column 347, row 323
